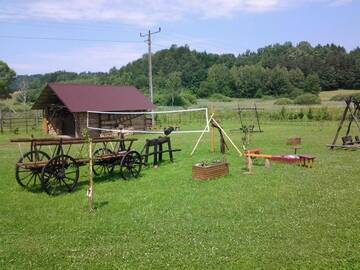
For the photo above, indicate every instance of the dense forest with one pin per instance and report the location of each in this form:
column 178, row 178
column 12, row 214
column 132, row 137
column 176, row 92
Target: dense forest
column 182, row 75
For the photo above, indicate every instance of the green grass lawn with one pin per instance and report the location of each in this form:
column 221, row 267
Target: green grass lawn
column 287, row 217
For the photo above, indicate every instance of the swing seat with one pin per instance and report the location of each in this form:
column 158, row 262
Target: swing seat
column 347, row 140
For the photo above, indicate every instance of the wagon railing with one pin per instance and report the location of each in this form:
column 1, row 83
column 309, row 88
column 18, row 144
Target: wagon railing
column 58, row 170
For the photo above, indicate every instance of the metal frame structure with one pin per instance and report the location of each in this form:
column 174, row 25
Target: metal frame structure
column 251, row 128
column 353, row 109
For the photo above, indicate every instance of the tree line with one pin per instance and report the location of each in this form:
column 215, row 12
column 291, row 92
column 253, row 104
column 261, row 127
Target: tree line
column 182, row 75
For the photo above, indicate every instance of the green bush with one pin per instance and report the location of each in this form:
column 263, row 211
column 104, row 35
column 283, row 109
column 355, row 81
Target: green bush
column 323, row 114
column 310, row 114
column 301, row 114
column 190, row 98
column 295, row 93
column 183, row 99
column 219, row 97
column 283, row 101
column 307, row 99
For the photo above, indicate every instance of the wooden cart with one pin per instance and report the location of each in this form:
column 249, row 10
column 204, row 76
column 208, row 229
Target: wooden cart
column 56, row 170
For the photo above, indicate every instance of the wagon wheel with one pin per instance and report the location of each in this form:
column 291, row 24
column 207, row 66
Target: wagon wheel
column 103, row 166
column 60, row 174
column 130, row 165
column 30, row 178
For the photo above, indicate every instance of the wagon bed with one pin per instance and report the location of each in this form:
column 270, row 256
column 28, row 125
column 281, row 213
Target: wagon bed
column 59, row 170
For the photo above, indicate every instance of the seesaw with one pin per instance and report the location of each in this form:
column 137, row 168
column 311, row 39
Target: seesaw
column 304, row 160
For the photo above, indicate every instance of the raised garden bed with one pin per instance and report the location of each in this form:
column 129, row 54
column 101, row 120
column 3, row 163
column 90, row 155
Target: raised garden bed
column 203, row 171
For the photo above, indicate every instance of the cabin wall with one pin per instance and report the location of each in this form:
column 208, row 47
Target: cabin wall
column 109, row 121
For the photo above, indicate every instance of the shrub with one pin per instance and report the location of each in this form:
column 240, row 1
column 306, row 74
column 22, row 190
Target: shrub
column 259, row 94
column 310, row 114
column 185, row 98
column 283, row 101
column 219, row 97
column 307, row 99
column 295, row 93
column 188, row 97
column 301, row 114
column 323, row 114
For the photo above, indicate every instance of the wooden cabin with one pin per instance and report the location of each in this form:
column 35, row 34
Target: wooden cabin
column 65, row 108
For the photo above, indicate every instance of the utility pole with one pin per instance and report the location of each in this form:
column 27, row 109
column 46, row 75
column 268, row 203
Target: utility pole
column 148, row 40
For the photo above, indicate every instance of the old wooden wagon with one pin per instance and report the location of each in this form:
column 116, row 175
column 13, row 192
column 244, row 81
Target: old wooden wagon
column 57, row 169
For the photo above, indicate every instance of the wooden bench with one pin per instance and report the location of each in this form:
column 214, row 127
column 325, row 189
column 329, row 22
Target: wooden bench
column 157, row 145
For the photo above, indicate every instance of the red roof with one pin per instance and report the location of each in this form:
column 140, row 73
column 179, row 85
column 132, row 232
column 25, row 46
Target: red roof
column 82, row 98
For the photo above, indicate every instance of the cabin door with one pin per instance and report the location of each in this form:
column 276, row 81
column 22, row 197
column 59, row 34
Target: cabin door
column 68, row 125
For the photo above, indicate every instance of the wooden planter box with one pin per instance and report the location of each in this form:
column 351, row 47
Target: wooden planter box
column 211, row 171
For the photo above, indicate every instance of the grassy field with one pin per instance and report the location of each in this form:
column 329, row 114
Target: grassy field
column 287, row 217
column 268, row 103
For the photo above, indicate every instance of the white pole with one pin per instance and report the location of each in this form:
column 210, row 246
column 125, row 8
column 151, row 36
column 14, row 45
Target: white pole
column 202, row 134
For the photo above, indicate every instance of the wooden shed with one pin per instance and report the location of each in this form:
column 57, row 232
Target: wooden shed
column 65, row 108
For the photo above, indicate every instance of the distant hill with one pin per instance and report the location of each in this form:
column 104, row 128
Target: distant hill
column 277, row 70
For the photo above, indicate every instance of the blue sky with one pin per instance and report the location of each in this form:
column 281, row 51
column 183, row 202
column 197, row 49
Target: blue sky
column 38, row 36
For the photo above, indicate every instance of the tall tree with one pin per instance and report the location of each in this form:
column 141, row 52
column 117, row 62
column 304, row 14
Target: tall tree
column 312, row 84
column 219, row 80
column 7, row 75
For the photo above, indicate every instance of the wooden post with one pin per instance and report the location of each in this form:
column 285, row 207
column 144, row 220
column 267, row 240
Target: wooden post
column 212, row 132
column 1, row 122
column 36, row 120
column 233, row 144
column 10, row 121
column 249, row 164
column 257, row 117
column 341, row 124
column 26, row 125
column 89, row 193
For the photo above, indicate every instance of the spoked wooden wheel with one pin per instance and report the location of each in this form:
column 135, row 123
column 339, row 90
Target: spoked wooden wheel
column 60, row 174
column 29, row 175
column 103, row 165
column 130, row 166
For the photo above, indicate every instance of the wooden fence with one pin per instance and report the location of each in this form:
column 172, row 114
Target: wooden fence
column 20, row 122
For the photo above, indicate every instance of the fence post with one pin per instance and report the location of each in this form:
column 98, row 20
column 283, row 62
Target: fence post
column 36, row 120
column 10, row 121
column 1, row 122
column 26, row 125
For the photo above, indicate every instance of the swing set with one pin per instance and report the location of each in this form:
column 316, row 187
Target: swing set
column 352, row 113
column 249, row 127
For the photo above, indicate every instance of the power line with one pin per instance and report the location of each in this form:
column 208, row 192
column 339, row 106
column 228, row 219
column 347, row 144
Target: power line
column 67, row 39
column 99, row 26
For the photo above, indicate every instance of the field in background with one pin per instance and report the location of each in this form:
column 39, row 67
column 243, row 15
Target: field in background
column 268, row 103
column 286, row 217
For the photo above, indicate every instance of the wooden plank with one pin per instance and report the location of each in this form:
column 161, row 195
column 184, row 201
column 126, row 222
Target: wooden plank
column 52, row 141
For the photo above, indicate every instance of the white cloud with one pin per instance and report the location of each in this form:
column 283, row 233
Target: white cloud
column 146, row 12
